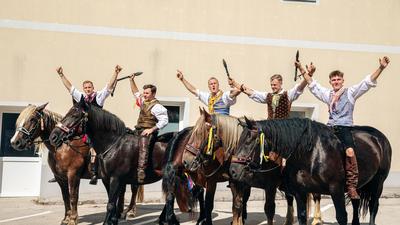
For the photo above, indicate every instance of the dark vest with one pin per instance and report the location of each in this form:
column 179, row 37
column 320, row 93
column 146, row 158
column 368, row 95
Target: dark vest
column 282, row 109
column 146, row 119
column 93, row 102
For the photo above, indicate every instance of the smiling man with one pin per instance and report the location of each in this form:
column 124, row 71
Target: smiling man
column 341, row 101
column 152, row 117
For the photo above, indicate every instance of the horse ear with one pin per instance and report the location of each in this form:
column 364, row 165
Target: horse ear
column 40, row 108
column 83, row 104
column 241, row 122
column 201, row 111
column 249, row 123
column 207, row 116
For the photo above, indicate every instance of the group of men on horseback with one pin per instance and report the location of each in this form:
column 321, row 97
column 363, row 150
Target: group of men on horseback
column 153, row 116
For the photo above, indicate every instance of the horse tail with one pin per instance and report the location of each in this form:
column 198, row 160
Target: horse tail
column 140, row 194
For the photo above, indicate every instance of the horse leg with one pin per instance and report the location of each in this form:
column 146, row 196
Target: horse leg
column 237, row 204
column 169, row 210
column 374, row 201
column 317, row 210
column 356, row 205
column 209, row 203
column 130, row 211
column 66, row 200
column 113, row 194
column 269, row 206
column 73, row 184
column 290, row 210
column 121, row 201
column 301, row 200
column 339, row 203
column 246, row 197
column 199, row 194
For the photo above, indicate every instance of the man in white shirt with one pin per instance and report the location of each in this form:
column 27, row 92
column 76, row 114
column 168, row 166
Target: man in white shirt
column 341, row 101
column 279, row 101
column 92, row 97
column 216, row 100
column 153, row 117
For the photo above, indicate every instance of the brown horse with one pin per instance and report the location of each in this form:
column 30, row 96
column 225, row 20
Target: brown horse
column 214, row 170
column 117, row 150
column 225, row 133
column 67, row 162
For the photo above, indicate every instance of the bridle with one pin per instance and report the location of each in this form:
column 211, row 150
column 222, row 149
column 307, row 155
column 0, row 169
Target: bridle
column 248, row 160
column 30, row 133
column 72, row 130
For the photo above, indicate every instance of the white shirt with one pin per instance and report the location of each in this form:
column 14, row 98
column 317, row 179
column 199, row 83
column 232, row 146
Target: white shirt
column 261, row 97
column 353, row 92
column 100, row 95
column 204, row 96
column 159, row 111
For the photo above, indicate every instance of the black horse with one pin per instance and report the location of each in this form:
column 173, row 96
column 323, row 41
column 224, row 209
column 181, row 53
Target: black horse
column 315, row 162
column 116, row 148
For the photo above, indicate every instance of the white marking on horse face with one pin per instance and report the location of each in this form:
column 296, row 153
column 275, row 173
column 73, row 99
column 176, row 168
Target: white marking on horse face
column 17, row 131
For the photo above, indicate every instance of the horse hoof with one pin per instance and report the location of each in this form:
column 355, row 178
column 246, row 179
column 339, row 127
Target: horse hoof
column 65, row 221
column 73, row 222
column 317, row 222
column 355, row 222
column 201, row 222
column 131, row 214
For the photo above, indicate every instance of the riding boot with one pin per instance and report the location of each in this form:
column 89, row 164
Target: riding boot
column 352, row 177
column 143, row 157
column 93, row 171
column 52, row 180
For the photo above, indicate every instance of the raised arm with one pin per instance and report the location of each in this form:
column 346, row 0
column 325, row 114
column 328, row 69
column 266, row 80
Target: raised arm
column 188, row 85
column 307, row 73
column 113, row 79
column 235, row 90
column 383, row 63
column 134, row 88
column 64, row 79
column 241, row 87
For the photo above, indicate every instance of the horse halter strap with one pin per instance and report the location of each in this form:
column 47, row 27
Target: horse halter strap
column 29, row 132
column 70, row 130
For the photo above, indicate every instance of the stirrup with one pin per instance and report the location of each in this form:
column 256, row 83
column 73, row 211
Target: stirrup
column 141, row 175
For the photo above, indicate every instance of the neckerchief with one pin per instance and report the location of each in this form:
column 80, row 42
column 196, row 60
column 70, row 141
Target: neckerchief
column 90, row 98
column 213, row 100
column 335, row 99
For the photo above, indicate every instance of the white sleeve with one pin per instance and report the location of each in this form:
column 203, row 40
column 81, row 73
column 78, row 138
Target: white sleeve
column 203, row 96
column 294, row 93
column 260, row 97
column 359, row 89
column 319, row 91
column 102, row 95
column 161, row 113
column 76, row 94
column 227, row 99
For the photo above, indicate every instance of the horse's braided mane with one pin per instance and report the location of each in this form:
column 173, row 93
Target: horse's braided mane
column 106, row 121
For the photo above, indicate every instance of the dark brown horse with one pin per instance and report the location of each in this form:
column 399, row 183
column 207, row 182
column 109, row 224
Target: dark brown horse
column 68, row 162
column 213, row 165
column 312, row 150
column 116, row 148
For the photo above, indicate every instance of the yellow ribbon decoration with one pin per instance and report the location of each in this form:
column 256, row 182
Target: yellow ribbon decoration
column 262, row 150
column 210, row 142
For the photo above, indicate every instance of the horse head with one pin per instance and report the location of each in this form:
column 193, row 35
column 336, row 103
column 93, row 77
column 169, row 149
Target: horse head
column 195, row 152
column 28, row 127
column 245, row 159
column 73, row 124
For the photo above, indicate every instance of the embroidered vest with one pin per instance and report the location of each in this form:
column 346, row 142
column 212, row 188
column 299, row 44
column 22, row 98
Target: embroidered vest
column 146, row 119
column 281, row 109
column 342, row 114
column 219, row 106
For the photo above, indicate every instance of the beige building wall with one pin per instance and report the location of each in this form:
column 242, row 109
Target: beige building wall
column 257, row 38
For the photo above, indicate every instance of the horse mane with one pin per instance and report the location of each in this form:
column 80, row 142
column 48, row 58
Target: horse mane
column 106, row 121
column 231, row 131
column 174, row 142
column 288, row 136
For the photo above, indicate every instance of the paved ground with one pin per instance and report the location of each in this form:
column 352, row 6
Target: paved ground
column 21, row 211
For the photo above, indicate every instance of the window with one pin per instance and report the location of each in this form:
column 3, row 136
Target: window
column 173, row 119
column 304, row 110
column 7, row 132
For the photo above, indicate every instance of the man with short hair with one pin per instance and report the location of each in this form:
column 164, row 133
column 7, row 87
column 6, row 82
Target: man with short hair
column 341, row 102
column 279, row 101
column 216, row 100
column 92, row 97
column 152, row 117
